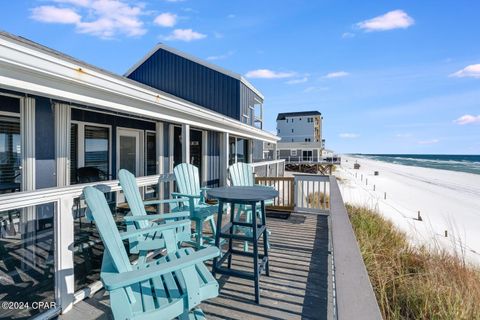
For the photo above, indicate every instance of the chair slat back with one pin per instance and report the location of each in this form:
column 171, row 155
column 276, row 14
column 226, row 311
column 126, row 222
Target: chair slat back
column 241, row 174
column 132, row 195
column 107, row 228
column 187, row 178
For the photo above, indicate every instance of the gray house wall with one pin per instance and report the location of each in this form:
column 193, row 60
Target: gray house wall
column 197, row 83
column 191, row 81
column 302, row 129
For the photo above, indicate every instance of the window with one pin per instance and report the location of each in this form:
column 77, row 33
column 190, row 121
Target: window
column 238, row 150
column 292, row 130
column 287, row 120
column 10, row 154
column 278, row 130
column 90, row 156
column 231, row 151
column 97, row 148
column 151, row 156
column 293, row 153
column 300, row 119
column 73, row 152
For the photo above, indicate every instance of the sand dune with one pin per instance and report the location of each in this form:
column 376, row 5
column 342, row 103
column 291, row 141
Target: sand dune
column 447, row 201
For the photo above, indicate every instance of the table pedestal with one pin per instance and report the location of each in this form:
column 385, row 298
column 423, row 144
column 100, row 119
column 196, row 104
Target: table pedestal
column 259, row 229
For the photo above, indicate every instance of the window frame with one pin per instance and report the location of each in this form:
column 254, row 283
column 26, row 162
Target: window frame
column 81, row 143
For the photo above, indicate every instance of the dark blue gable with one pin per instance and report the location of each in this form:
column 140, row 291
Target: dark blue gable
column 191, row 81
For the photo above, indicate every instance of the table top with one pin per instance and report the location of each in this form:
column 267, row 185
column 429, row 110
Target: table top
column 243, row 194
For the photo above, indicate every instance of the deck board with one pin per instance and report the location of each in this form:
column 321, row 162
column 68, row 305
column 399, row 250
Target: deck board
column 298, row 286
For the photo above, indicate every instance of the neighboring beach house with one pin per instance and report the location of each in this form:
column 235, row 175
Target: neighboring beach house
column 64, row 122
column 301, row 136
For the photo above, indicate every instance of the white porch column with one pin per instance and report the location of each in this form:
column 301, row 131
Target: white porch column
column 204, row 176
column 160, row 160
column 186, row 143
column 224, row 137
column 62, row 143
column 27, row 129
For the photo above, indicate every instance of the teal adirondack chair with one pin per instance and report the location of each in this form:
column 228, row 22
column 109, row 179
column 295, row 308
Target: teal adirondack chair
column 138, row 219
column 188, row 183
column 241, row 174
column 165, row 288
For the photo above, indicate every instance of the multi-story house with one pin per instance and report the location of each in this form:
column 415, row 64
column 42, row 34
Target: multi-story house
column 301, row 136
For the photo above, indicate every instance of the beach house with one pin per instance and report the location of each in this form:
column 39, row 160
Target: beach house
column 64, row 122
column 301, row 136
column 65, row 125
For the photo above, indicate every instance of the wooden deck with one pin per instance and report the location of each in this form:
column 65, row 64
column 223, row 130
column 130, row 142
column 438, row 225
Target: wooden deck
column 298, row 286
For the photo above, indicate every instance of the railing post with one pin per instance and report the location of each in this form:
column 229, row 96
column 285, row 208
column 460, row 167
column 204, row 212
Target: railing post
column 64, row 276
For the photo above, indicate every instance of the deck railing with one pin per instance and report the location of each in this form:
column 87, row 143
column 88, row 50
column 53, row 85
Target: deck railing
column 352, row 294
column 273, row 168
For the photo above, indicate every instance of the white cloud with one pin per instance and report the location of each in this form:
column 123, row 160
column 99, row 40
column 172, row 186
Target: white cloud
column 337, row 74
column 347, row 35
column 166, row 19
column 396, row 19
column 348, row 135
column 297, row 81
column 231, row 16
column 467, row 119
column 103, row 18
column 221, row 56
column 51, row 14
column 185, row 35
column 432, row 141
column 268, row 74
column 472, row 71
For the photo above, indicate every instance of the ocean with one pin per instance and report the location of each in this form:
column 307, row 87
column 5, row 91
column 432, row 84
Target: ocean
column 463, row 163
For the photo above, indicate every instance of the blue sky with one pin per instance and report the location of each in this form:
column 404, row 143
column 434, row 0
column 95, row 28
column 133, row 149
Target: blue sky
column 388, row 76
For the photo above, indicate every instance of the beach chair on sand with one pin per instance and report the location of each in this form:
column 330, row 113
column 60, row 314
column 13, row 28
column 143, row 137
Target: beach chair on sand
column 188, row 183
column 164, row 288
column 138, row 219
column 241, row 174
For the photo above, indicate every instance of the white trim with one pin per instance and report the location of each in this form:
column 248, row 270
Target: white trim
column 196, row 60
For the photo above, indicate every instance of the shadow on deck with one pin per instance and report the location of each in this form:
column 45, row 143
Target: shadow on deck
column 298, row 286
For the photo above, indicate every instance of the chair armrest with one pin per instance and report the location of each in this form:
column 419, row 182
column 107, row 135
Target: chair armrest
column 190, row 196
column 156, row 228
column 161, row 216
column 155, row 202
column 124, row 279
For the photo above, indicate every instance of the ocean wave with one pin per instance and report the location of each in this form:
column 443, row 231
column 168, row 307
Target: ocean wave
column 462, row 163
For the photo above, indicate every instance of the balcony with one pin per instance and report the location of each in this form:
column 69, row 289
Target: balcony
column 317, row 271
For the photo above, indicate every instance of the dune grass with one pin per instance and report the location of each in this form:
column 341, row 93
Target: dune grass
column 414, row 282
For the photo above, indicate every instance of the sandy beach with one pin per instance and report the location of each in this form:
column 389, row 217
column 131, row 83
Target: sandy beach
column 447, row 200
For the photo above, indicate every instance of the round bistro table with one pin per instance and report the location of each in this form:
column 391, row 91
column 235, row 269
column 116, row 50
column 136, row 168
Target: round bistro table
column 242, row 196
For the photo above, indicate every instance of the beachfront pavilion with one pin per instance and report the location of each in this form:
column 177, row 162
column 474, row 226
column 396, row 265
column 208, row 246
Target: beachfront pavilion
column 65, row 124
